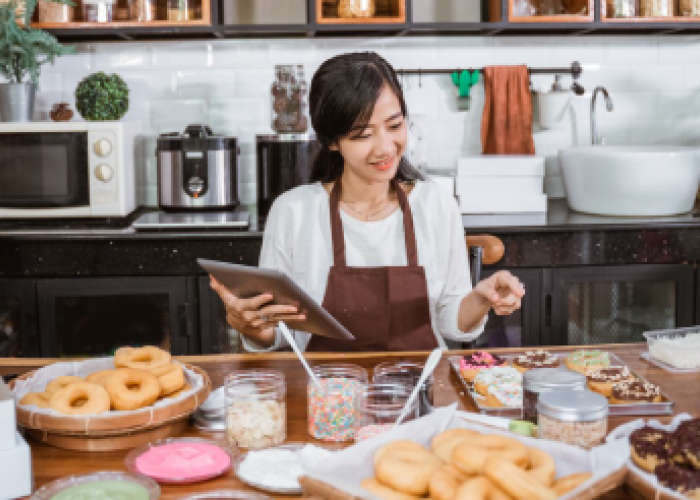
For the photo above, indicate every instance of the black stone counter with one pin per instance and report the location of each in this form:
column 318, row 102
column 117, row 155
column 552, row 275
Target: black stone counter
column 113, row 248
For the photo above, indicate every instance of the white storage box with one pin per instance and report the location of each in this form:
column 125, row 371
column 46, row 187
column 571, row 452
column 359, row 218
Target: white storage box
column 16, row 469
column 481, row 186
column 503, row 204
column 8, row 423
column 500, row 165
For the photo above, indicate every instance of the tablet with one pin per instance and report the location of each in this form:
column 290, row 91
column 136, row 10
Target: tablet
column 248, row 281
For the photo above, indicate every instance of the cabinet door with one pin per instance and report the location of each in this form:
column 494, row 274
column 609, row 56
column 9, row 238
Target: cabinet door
column 95, row 316
column 616, row 304
column 217, row 337
column 18, row 327
column 522, row 327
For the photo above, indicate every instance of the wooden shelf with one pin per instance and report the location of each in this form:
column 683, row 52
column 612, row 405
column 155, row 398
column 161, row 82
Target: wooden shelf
column 670, row 19
column 120, row 24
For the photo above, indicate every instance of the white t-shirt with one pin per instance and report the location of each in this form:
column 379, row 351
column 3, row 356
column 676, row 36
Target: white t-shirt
column 298, row 242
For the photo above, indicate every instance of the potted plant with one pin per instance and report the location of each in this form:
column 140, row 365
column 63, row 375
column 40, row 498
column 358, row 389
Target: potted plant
column 102, row 97
column 23, row 50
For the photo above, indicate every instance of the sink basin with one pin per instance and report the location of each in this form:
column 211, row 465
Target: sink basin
column 630, row 180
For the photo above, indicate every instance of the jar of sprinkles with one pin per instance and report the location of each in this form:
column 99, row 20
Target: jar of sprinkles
column 535, row 382
column 333, row 401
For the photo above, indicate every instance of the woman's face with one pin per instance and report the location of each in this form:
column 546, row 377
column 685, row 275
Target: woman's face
column 373, row 151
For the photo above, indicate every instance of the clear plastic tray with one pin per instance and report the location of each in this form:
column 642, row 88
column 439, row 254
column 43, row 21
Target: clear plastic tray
column 220, row 494
column 130, row 460
column 665, row 407
column 646, row 356
column 286, row 491
column 54, row 488
column 655, row 335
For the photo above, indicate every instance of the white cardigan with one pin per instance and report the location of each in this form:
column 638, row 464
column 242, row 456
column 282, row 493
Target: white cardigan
column 298, row 242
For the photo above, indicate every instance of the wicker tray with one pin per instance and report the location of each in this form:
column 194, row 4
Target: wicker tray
column 664, row 407
column 318, row 489
column 127, row 440
column 118, row 424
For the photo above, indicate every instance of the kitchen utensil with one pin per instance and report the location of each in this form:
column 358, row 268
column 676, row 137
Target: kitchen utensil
column 428, row 369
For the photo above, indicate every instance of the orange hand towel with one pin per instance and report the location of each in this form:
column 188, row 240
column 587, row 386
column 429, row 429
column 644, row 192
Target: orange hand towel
column 506, row 126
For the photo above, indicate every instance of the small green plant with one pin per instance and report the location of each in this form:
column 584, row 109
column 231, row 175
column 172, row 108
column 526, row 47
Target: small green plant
column 101, row 97
column 23, row 50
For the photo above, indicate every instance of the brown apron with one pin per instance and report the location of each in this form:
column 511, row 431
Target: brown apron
column 385, row 308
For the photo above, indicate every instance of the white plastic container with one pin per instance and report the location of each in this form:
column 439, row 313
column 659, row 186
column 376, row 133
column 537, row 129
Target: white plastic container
column 502, row 204
column 500, row 165
column 679, row 348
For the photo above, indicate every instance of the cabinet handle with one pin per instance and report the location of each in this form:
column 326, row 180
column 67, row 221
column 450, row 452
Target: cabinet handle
column 186, row 326
column 548, row 310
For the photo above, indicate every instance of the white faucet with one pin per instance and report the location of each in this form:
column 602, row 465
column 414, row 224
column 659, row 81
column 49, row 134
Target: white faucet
column 595, row 140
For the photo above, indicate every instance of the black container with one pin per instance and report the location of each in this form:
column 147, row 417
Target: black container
column 284, row 162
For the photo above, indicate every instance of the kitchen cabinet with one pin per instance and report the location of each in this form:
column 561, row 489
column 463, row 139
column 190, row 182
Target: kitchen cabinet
column 94, row 316
column 616, row 304
column 19, row 334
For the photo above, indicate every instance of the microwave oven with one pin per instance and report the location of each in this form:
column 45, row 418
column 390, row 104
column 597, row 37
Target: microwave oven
column 67, row 169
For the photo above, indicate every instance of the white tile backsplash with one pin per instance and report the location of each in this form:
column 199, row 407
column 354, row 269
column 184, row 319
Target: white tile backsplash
column 654, row 83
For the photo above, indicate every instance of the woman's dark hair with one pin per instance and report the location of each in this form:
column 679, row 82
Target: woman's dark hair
column 343, row 93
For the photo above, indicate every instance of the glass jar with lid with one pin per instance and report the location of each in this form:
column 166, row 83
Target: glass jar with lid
column 378, row 407
column 689, row 8
column 579, row 418
column 356, row 8
column 656, row 8
column 52, row 12
column 333, row 400
column 142, row 10
column 181, row 10
column 290, row 106
column 619, row 9
column 256, row 415
column 98, row 11
column 407, row 373
column 539, row 380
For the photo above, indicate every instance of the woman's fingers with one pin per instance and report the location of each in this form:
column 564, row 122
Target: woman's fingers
column 506, row 282
column 255, row 302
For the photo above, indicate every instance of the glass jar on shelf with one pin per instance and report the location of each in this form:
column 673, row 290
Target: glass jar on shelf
column 656, row 8
column 379, row 406
column 181, row 10
column 356, row 8
column 290, row 107
column 121, row 10
column 98, row 11
column 620, row 9
column 256, row 414
column 52, row 12
column 142, row 10
column 689, row 8
column 333, row 400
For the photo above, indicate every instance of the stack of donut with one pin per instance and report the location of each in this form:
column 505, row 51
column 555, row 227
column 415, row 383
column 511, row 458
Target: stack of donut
column 466, row 465
column 620, row 386
column 141, row 377
column 673, row 457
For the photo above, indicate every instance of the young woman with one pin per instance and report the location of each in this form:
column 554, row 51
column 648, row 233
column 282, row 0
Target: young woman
column 379, row 246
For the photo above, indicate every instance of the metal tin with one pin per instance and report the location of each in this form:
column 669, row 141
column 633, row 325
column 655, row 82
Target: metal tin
column 573, row 406
column 548, row 379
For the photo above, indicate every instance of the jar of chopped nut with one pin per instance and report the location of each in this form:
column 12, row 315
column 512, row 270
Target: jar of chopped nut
column 356, row 8
column 52, row 12
column 256, row 415
column 574, row 417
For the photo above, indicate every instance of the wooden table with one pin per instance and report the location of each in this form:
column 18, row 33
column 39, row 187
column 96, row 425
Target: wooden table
column 51, row 463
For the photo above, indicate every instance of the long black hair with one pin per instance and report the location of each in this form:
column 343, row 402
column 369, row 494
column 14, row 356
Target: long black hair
column 343, row 93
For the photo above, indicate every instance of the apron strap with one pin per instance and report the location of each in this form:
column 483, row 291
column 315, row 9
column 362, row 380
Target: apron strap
column 338, row 236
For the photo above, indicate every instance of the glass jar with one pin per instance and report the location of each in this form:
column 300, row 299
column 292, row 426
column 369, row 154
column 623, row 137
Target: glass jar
column 181, row 10
column 540, row 380
column 656, row 8
column 98, row 11
column 142, row 10
column 290, row 107
column 378, row 407
column 332, row 403
column 256, row 415
column 579, row 418
column 356, row 8
column 52, row 12
column 407, row 373
column 618, row 9
column 121, row 10
column 689, row 8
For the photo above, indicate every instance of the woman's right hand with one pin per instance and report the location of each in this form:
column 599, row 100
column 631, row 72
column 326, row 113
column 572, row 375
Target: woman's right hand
column 251, row 317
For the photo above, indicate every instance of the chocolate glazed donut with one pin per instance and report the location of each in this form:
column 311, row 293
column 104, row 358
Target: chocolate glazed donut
column 684, row 445
column 686, row 481
column 649, row 447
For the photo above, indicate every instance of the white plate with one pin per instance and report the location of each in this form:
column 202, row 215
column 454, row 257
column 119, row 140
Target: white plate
column 648, row 357
column 286, row 491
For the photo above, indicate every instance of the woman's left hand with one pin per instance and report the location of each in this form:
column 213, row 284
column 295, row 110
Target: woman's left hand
column 502, row 292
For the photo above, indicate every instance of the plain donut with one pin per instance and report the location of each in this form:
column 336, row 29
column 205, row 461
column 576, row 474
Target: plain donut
column 384, row 492
column 445, row 481
column 40, row 399
column 567, row 483
column 171, row 378
column 81, row 398
column 399, row 445
column 470, row 456
column 542, row 466
column 100, row 377
column 480, row 488
column 445, row 442
column 60, row 382
column 132, row 389
column 141, row 358
column 407, row 471
column 515, row 481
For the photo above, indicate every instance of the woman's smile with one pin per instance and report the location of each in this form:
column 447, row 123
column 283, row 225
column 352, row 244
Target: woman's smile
column 384, row 164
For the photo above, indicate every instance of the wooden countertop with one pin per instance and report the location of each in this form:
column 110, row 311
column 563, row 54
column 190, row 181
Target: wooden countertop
column 51, row 463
